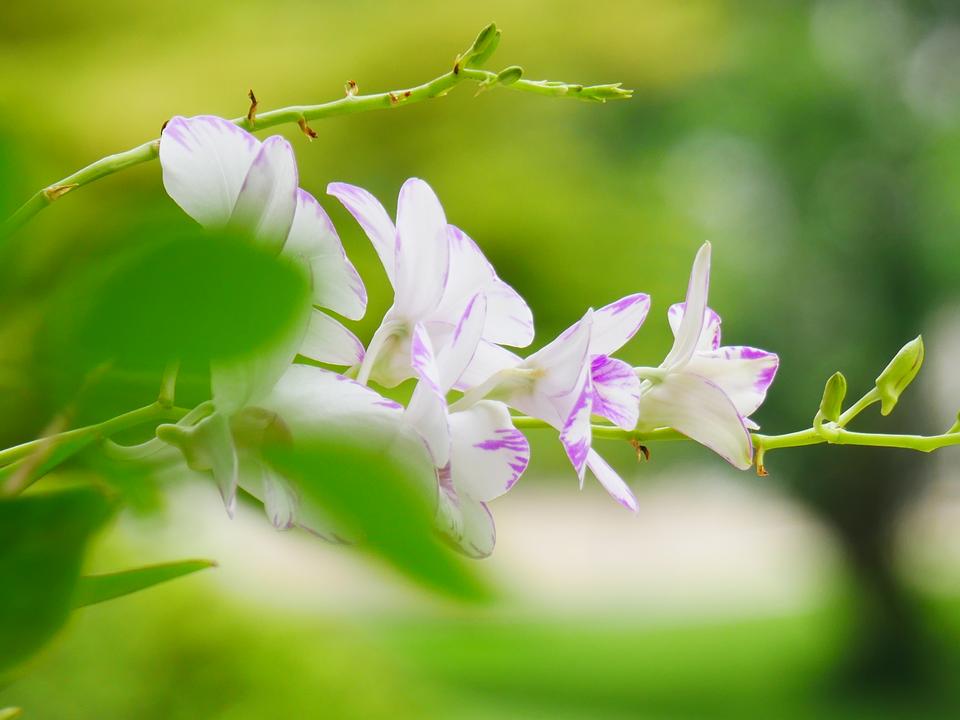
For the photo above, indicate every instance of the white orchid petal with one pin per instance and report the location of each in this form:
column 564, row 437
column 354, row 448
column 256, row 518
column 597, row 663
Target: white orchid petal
column 616, row 391
column 577, row 433
column 698, row 408
column 336, row 283
column 328, row 341
column 204, row 161
column 611, row 481
column 488, row 454
column 616, row 323
column 691, row 326
column 268, row 198
column 427, row 410
column 374, row 220
column 743, row 373
column 709, row 335
column 509, row 320
column 455, row 355
column 423, row 254
column 487, row 361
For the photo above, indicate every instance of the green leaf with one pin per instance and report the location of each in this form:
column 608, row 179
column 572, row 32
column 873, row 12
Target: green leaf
column 43, row 538
column 92, row 589
column 10, row 713
column 383, row 504
column 195, row 297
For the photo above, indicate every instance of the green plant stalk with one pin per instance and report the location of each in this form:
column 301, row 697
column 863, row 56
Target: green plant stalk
column 301, row 114
column 763, row 443
column 22, row 465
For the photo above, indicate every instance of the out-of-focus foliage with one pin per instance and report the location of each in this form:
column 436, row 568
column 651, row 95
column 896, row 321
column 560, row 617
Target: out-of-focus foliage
column 815, row 143
column 383, row 505
column 93, row 589
column 42, row 543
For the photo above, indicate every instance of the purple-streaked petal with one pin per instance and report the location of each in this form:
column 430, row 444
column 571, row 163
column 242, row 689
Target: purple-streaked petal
column 455, row 356
column 691, row 325
column 374, row 220
column 577, row 433
column 427, row 410
column 328, row 341
column 616, row 391
column 552, row 380
column 709, row 336
column 611, row 481
column 743, row 373
column 423, row 252
column 466, row 521
column 268, row 199
column 204, row 161
column 479, row 532
column 616, row 323
column 487, row 361
column 698, row 408
column 488, row 454
column 509, row 320
column 336, row 283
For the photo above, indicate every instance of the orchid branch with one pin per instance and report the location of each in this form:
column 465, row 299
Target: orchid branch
column 61, row 446
column 464, row 69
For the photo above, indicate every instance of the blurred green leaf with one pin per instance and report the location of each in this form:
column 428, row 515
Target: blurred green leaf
column 42, row 541
column 198, row 296
column 383, row 504
column 10, row 713
column 92, row 589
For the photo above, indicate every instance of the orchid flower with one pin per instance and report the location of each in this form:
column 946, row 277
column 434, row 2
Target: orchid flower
column 435, row 270
column 701, row 389
column 573, row 378
column 478, row 453
column 307, row 402
column 223, row 177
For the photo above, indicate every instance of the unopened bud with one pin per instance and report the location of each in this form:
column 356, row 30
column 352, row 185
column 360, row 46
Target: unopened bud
column 483, row 47
column 833, row 394
column 509, row 75
column 899, row 374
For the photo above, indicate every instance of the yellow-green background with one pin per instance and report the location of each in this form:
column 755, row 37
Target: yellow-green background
column 816, row 144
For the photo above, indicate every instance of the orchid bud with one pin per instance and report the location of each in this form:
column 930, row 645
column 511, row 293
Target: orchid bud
column 509, row 75
column 899, row 373
column 833, row 394
column 483, row 47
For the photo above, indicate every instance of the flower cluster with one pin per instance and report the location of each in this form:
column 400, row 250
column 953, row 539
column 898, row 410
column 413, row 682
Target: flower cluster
column 448, row 330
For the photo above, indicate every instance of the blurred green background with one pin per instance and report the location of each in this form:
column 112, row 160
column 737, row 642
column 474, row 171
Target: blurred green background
column 817, row 144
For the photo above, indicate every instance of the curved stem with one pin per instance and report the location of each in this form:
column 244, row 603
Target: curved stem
column 301, row 114
column 23, row 464
column 763, row 443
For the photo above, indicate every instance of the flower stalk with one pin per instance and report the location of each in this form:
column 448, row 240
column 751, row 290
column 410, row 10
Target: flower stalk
column 351, row 103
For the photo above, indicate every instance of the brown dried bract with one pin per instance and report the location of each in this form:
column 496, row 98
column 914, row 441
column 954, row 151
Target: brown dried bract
column 252, row 112
column 55, row 192
column 351, row 88
column 307, row 130
column 643, row 452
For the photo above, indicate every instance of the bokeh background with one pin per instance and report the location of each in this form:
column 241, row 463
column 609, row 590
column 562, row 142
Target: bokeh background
column 817, row 144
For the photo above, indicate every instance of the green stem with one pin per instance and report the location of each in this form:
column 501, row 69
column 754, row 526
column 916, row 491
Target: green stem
column 764, row 443
column 22, row 465
column 301, row 114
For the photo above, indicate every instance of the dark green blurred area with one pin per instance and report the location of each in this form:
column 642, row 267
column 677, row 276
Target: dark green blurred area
column 816, row 144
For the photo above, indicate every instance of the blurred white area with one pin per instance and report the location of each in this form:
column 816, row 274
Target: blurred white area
column 703, row 545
